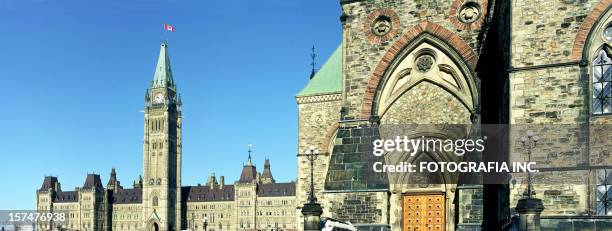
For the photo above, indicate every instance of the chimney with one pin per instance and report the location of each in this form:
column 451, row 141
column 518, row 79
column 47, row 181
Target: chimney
column 212, row 181
column 221, row 182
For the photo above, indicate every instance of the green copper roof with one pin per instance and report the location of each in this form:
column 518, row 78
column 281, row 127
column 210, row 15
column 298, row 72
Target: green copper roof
column 163, row 72
column 329, row 77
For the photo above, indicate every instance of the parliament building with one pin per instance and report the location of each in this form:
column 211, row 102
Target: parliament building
column 521, row 66
column 158, row 201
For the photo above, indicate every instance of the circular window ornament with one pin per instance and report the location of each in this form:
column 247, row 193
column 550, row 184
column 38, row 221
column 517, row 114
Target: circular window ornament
column 469, row 12
column 318, row 118
column 382, row 25
column 607, row 33
column 424, row 63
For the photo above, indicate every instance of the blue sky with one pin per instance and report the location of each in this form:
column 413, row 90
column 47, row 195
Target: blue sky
column 74, row 75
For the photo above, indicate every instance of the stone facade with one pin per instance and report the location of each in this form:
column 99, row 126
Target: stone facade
column 317, row 125
column 519, row 63
column 158, row 201
column 553, row 53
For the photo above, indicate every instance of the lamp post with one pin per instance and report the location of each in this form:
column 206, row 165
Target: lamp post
column 528, row 207
column 312, row 210
column 313, row 154
column 205, row 223
column 529, row 142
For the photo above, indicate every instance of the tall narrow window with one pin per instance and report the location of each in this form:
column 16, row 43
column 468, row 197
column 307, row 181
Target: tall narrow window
column 604, row 192
column 602, row 83
column 155, row 201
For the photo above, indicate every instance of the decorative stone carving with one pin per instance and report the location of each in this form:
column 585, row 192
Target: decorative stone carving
column 381, row 26
column 469, row 12
column 318, row 118
column 424, row 63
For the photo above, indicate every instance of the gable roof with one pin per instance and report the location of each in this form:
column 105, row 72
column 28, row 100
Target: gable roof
column 328, row 79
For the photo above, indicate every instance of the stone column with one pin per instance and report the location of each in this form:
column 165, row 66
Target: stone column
column 312, row 216
column 529, row 210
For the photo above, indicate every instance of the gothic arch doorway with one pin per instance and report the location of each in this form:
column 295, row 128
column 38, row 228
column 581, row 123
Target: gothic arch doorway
column 154, row 227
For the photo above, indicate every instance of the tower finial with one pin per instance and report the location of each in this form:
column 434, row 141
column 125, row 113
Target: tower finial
column 313, row 55
column 250, row 162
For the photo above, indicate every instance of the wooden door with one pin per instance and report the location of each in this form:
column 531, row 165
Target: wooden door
column 423, row 212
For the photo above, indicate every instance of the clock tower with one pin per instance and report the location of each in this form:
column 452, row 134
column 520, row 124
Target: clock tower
column 162, row 150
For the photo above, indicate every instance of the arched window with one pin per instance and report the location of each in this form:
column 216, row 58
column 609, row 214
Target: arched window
column 155, row 201
column 602, row 83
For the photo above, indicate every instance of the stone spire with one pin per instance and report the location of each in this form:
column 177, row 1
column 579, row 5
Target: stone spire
column 113, row 176
column 113, row 183
column 138, row 183
column 147, row 97
column 163, row 72
column 266, row 176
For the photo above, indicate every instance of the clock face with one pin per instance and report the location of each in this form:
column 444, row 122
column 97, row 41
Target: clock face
column 159, row 98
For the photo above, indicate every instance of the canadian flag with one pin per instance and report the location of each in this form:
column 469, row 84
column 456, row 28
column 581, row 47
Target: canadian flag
column 169, row 27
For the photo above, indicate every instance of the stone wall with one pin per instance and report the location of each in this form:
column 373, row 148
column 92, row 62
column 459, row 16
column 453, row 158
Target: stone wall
column 548, row 95
column 545, row 34
column 427, row 103
column 351, row 160
column 357, row 207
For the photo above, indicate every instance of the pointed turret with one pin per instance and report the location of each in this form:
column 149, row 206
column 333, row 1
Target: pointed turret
column 113, row 183
column 249, row 171
column 163, row 72
column 113, row 177
column 147, row 97
column 138, row 183
column 266, row 176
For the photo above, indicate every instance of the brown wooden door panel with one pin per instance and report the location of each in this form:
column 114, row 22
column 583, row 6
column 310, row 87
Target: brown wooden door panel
column 423, row 212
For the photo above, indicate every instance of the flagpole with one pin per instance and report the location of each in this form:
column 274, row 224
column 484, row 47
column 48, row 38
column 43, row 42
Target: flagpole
column 166, row 32
column 168, row 28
